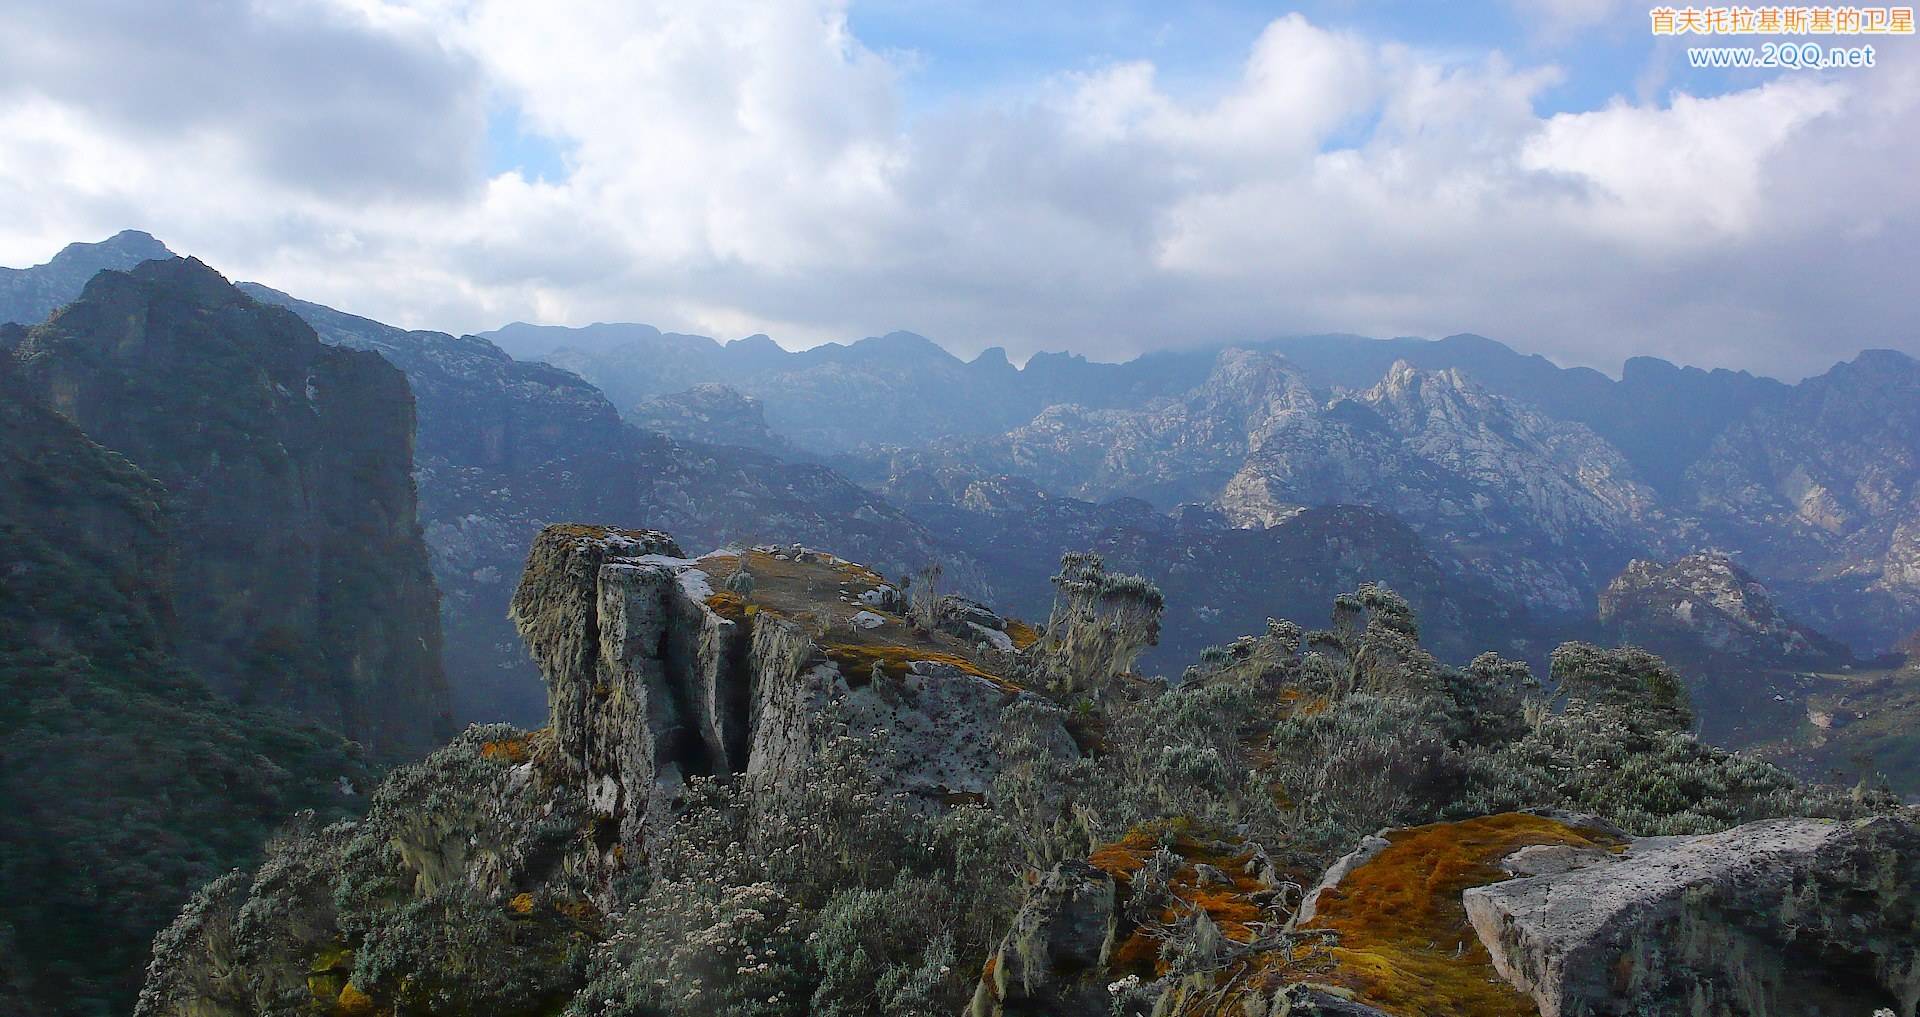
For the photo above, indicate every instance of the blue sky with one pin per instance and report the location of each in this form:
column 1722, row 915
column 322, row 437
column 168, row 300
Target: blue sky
column 969, row 47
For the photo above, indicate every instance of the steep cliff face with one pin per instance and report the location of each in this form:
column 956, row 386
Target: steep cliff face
column 302, row 579
column 506, row 447
column 124, row 781
column 1822, row 486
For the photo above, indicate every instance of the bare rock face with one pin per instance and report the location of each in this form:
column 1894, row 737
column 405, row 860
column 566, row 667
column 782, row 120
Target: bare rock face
column 709, row 414
column 639, row 675
column 649, row 682
column 1776, row 917
column 1052, row 960
column 1707, row 599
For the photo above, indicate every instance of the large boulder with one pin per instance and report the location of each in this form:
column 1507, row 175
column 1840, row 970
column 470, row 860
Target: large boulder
column 1054, row 959
column 1794, row 916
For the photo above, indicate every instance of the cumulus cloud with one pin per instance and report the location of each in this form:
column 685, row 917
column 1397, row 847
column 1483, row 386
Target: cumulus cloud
column 736, row 166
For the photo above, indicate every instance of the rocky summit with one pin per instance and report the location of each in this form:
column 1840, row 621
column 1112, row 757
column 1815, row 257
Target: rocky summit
column 775, row 781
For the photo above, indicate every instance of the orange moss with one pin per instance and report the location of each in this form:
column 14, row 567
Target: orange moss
column 329, row 972
column 513, row 751
column 856, row 661
column 728, row 604
column 1022, row 634
column 993, row 964
column 1405, row 943
column 1231, row 906
column 521, row 904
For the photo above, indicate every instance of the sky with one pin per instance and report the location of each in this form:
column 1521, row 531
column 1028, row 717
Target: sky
column 1106, row 178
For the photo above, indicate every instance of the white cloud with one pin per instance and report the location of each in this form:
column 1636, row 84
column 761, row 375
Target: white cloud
column 738, row 166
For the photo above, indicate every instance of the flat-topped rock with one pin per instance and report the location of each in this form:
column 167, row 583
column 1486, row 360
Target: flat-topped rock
column 1794, row 916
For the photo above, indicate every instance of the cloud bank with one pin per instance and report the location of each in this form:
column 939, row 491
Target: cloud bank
column 732, row 167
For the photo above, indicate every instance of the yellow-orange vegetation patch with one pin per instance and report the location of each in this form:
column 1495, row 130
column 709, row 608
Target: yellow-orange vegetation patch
column 1022, row 634
column 353, row 1003
column 598, row 532
column 1405, row 942
column 521, row 904
column 728, row 604
column 856, row 662
column 515, row 750
column 1231, row 907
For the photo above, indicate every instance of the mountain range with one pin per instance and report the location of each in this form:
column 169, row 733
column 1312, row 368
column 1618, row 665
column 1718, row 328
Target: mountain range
column 1500, row 492
column 260, row 548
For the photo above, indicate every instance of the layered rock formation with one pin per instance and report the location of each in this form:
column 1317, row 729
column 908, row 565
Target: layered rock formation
column 302, row 578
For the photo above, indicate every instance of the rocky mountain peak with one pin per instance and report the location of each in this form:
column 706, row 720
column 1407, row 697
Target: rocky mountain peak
column 1709, row 599
column 28, row 295
column 660, row 667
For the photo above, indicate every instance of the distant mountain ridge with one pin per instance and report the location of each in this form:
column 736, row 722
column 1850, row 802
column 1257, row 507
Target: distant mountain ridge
column 28, row 295
column 1545, row 479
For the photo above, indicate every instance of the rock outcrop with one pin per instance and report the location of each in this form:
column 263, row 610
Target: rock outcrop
column 1709, row 601
column 1054, row 958
column 652, row 677
column 520, row 842
column 302, row 578
column 1777, row 917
